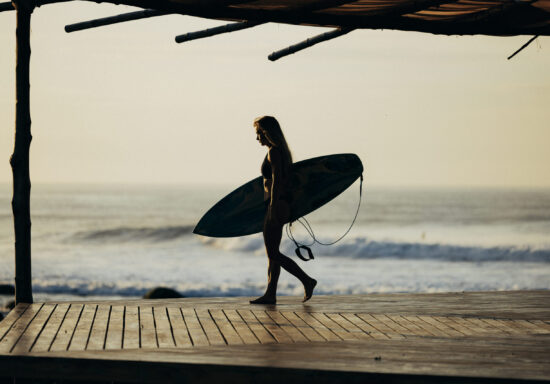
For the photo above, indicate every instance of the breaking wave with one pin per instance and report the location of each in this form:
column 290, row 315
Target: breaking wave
column 126, row 234
column 364, row 248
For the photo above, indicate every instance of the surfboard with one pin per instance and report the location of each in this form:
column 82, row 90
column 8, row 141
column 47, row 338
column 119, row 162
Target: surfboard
column 314, row 182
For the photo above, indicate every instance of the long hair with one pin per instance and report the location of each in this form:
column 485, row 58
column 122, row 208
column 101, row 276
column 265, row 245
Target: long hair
column 275, row 136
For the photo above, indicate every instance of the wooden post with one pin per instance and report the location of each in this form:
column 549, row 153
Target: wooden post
column 20, row 158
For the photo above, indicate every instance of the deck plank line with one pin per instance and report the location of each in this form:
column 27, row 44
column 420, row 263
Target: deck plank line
column 147, row 326
column 241, row 327
column 243, row 341
column 98, row 331
column 325, row 332
column 123, row 328
column 180, row 333
column 171, row 326
column 11, row 318
column 452, row 325
column 162, row 325
column 365, row 327
column 437, row 330
column 333, row 326
column 443, row 327
column 460, row 326
column 541, row 324
column 380, row 326
column 71, row 329
column 502, row 328
column 410, row 328
column 115, row 330
column 196, row 331
column 484, row 327
column 348, row 326
column 155, row 326
column 139, row 324
column 209, row 327
column 187, row 327
column 392, row 326
column 91, row 327
column 51, row 327
column 218, row 327
column 257, row 329
column 107, row 327
column 16, row 332
column 131, row 338
column 283, row 323
column 59, row 327
column 227, row 329
column 272, row 327
column 34, row 330
column 417, row 326
column 309, row 333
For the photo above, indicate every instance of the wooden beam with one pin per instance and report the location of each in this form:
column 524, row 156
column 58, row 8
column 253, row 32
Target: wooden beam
column 6, row 7
column 20, row 157
column 114, row 19
column 215, row 31
column 308, row 43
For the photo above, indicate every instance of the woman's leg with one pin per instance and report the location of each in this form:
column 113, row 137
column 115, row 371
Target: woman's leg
column 273, row 232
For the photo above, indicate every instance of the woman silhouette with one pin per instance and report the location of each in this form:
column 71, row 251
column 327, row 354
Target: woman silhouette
column 277, row 198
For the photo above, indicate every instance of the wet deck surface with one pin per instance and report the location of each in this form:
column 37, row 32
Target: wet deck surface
column 391, row 337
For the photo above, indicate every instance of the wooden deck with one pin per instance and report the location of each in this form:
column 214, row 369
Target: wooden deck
column 452, row 337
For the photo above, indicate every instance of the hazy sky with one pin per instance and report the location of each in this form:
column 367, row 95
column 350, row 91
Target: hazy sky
column 125, row 103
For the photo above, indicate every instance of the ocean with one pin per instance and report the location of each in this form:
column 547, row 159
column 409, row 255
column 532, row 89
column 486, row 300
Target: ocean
column 119, row 241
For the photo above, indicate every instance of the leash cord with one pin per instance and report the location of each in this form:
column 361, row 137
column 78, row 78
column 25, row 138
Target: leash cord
column 303, row 221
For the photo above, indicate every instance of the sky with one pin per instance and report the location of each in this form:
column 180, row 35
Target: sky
column 126, row 104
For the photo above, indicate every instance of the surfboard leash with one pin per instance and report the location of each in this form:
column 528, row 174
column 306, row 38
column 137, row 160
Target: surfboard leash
column 309, row 230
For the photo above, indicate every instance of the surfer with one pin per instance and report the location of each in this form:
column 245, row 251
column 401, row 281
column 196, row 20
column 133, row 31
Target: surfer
column 277, row 197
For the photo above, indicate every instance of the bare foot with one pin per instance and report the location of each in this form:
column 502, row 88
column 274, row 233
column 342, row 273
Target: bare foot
column 264, row 300
column 308, row 288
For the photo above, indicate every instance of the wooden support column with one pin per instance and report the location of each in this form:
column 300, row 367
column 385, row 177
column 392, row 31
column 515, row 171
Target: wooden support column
column 20, row 158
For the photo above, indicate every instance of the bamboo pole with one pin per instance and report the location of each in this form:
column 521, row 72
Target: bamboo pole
column 308, row 43
column 6, row 7
column 215, row 31
column 20, row 158
column 114, row 19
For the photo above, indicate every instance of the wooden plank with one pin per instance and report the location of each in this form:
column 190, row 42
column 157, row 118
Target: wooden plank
column 462, row 326
column 147, row 328
column 114, row 330
column 532, row 327
column 99, row 328
column 162, row 325
column 287, row 326
column 450, row 331
column 18, row 327
column 307, row 331
column 380, row 326
column 34, row 329
column 244, row 331
column 67, row 328
column 179, row 329
column 11, row 318
column 334, row 327
column 435, row 327
column 394, row 323
column 483, row 326
column 349, row 326
column 131, row 337
column 225, row 327
column 426, row 326
column 275, row 331
column 212, row 332
column 541, row 325
column 194, row 326
column 83, row 327
column 256, row 327
column 451, row 325
column 412, row 328
column 316, row 325
column 500, row 326
column 366, row 327
column 44, row 342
